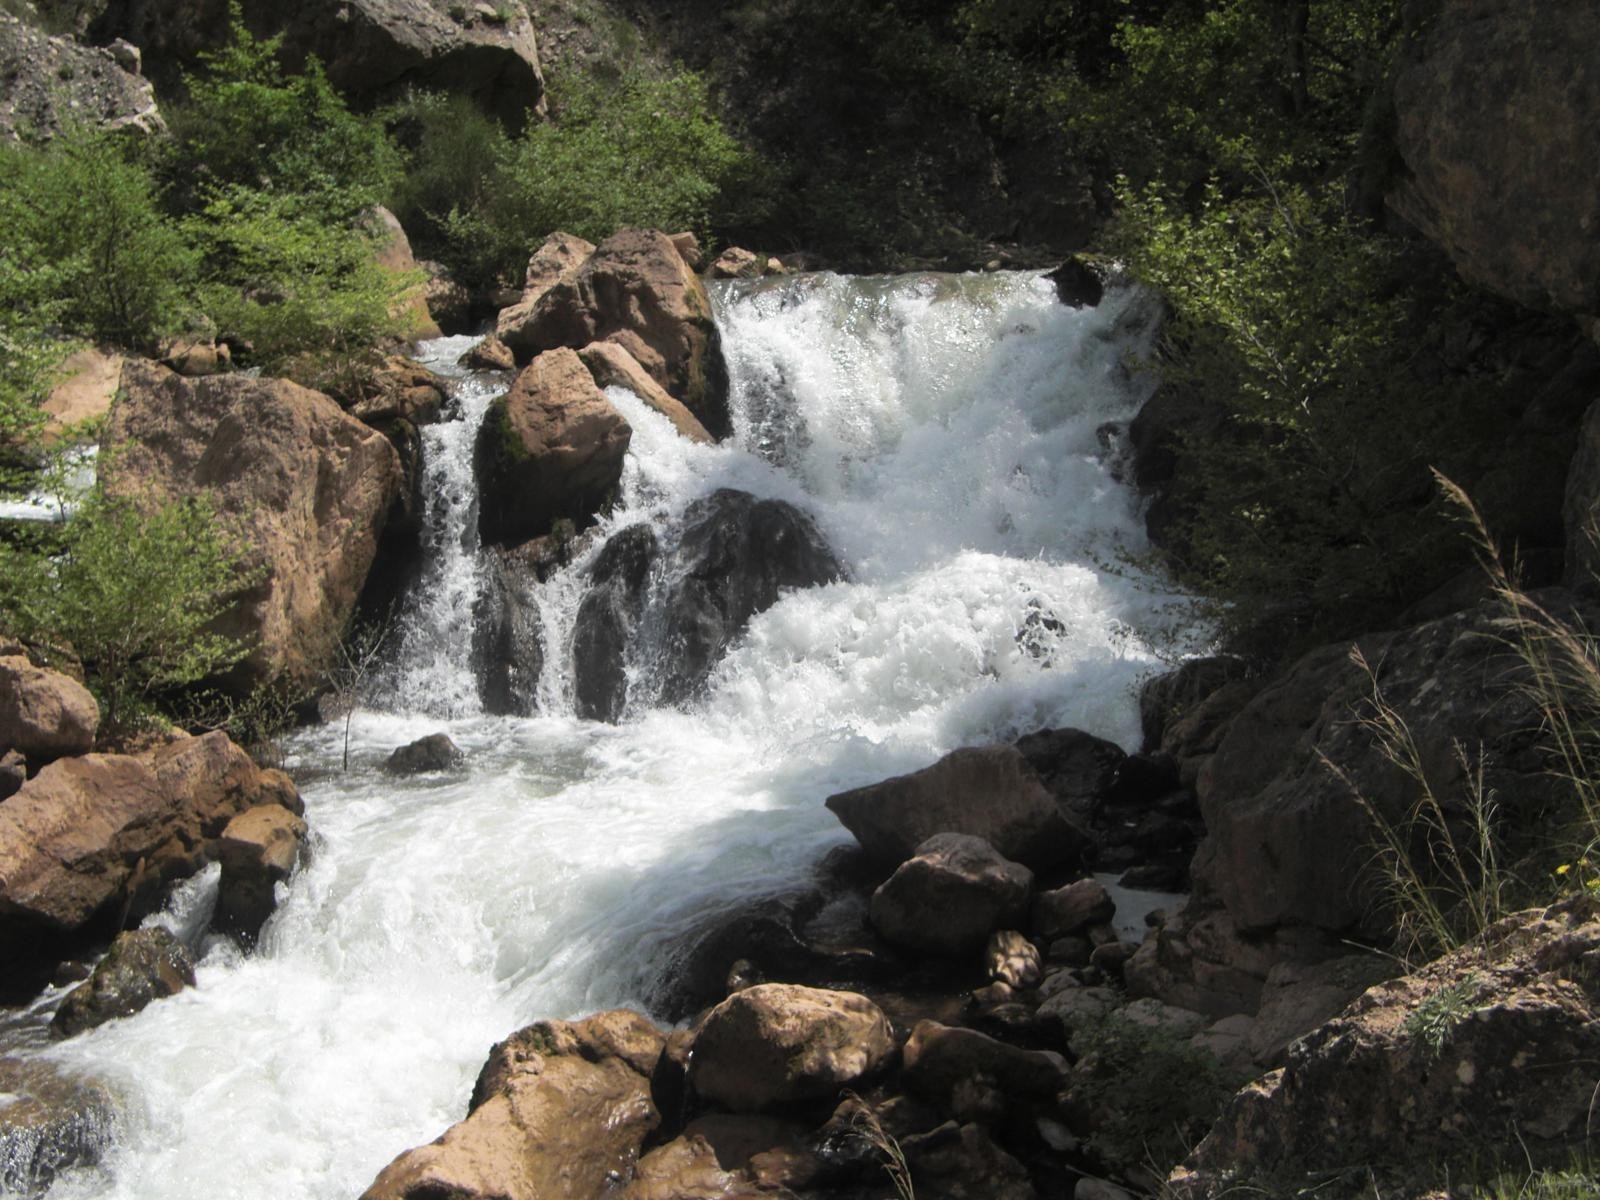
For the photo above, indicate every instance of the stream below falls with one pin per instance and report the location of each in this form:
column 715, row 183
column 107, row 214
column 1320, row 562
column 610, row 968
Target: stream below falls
column 950, row 437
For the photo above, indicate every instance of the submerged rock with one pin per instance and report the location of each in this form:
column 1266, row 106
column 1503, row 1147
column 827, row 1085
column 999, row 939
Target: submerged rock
column 49, row 1122
column 436, row 752
column 142, row 966
column 507, row 651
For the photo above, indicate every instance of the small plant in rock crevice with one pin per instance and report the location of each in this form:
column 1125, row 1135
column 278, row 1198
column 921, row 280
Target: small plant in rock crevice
column 1436, row 1016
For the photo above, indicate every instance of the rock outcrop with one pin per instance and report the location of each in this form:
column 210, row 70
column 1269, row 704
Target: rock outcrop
column 635, row 290
column 89, row 840
column 550, row 450
column 47, row 83
column 372, row 49
column 606, row 622
column 612, row 366
column 558, row 260
column 1496, row 110
column 44, row 715
column 1491, row 1045
column 777, row 1044
column 304, row 487
column 986, row 791
column 142, row 966
column 560, row 1112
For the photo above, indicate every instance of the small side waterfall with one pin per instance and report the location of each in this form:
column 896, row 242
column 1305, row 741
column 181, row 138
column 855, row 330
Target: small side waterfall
column 949, row 437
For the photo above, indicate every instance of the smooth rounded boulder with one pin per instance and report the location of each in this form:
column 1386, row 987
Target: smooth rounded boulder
column 777, row 1044
column 44, row 715
column 950, row 896
column 550, row 450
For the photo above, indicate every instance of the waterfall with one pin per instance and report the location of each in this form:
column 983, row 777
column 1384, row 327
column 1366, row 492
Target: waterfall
column 953, row 438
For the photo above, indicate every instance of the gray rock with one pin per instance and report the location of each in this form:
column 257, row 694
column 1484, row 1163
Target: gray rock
column 46, row 82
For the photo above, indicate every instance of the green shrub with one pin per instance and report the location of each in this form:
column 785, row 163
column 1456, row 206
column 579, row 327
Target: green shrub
column 306, row 295
column 87, row 242
column 131, row 590
column 248, row 123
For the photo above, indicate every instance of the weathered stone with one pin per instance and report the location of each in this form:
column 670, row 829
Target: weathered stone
column 558, row 260
column 550, row 450
column 44, row 714
column 143, row 965
column 1489, row 1046
column 637, row 291
column 1153, row 1014
column 259, row 850
column 1072, row 909
column 950, row 895
column 613, row 366
column 47, row 83
column 686, row 1168
column 372, row 50
column 560, row 1112
column 1081, row 281
column 1496, row 106
column 90, row 838
column 606, row 621
column 89, row 381
column 392, row 252
column 489, row 354
column 302, row 486
column 986, row 791
column 778, row 1044
column 436, row 752
column 507, row 650
column 737, row 263
column 1013, row 960
column 962, row 1162
column 1298, row 997
column 974, row 1077
column 396, row 389
column 13, row 774
column 687, row 245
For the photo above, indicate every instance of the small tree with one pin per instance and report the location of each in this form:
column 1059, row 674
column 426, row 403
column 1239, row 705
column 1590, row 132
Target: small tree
column 132, row 592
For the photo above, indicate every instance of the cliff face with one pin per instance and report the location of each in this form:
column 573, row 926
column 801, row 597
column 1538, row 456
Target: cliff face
column 1497, row 105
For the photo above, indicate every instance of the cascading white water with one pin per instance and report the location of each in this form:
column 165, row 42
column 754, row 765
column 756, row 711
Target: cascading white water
column 946, row 433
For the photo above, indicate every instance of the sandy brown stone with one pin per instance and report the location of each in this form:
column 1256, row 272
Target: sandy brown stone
column 612, row 366
column 44, row 714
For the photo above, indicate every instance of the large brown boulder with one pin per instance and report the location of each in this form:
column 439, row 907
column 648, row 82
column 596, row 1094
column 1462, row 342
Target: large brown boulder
column 612, row 366
column 1487, row 1052
column 637, row 290
column 44, row 714
column 372, row 49
column 89, row 840
column 778, row 1043
column 142, row 966
column 304, row 488
column 550, row 450
column 987, row 791
column 973, row 1076
column 560, row 1112
column 259, row 850
column 1496, row 111
column 950, row 896
column 50, row 82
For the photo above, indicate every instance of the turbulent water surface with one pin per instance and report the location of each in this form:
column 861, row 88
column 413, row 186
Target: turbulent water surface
column 948, row 435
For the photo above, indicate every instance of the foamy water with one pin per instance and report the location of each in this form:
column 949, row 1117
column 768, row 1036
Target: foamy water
column 946, row 435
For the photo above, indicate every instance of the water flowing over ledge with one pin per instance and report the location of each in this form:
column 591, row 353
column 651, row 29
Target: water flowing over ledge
column 953, row 438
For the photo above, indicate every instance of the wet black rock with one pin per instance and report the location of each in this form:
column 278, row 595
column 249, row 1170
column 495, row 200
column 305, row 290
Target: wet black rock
column 737, row 555
column 507, row 654
column 606, row 622
column 52, row 1121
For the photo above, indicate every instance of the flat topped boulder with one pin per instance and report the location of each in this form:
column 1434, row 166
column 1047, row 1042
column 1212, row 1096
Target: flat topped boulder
column 778, row 1043
column 987, row 791
column 550, row 450
column 560, row 1112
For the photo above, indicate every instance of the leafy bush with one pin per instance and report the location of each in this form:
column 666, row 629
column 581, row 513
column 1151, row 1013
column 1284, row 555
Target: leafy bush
column 131, row 590
column 637, row 150
column 248, row 123
column 307, row 296
column 88, row 243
